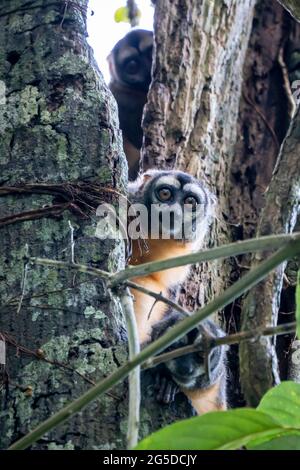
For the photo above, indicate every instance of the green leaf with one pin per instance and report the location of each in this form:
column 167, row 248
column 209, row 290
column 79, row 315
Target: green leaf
column 225, row 430
column 298, row 305
column 286, row 441
column 121, row 15
column 282, row 403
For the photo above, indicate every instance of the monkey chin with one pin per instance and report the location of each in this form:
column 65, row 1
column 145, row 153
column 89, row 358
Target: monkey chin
column 188, row 383
column 191, row 382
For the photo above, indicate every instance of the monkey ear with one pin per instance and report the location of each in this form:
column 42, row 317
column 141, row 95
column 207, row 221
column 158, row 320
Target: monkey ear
column 110, row 62
column 146, row 176
column 143, row 178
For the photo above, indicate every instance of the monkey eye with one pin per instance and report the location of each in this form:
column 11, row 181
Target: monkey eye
column 191, row 201
column 164, row 194
column 132, row 67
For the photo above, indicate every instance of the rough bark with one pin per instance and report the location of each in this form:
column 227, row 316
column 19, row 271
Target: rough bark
column 191, row 116
column 261, row 305
column 263, row 118
column 263, row 122
column 192, row 120
column 59, row 125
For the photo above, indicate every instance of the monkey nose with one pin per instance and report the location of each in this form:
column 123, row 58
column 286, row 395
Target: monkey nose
column 184, row 368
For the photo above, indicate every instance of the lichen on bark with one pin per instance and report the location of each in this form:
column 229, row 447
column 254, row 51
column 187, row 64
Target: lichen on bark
column 58, row 124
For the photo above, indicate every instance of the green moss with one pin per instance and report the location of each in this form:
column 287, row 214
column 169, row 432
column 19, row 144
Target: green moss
column 53, row 117
column 69, row 63
column 91, row 311
column 62, row 146
column 18, row 23
column 67, row 446
column 104, row 174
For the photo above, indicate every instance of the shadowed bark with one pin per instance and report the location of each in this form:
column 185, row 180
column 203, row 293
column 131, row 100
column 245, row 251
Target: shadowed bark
column 279, row 215
column 265, row 114
column 292, row 6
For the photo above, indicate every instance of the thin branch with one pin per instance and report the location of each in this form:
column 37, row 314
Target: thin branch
column 232, row 249
column 156, row 296
column 72, row 243
column 233, row 292
column 292, row 107
column 134, row 376
column 24, row 279
column 225, row 251
column 264, row 118
column 40, row 355
column 82, row 268
column 50, row 211
column 292, row 7
column 225, row 340
column 133, row 13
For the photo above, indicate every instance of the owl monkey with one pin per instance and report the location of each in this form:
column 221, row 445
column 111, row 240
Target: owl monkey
column 200, row 375
column 179, row 210
column 130, row 64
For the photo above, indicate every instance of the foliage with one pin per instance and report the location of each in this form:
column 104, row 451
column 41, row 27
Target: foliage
column 275, row 424
column 298, row 305
column 122, row 15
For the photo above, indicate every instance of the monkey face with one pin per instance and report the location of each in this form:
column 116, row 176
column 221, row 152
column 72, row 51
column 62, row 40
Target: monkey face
column 198, row 369
column 194, row 370
column 178, row 206
column 131, row 60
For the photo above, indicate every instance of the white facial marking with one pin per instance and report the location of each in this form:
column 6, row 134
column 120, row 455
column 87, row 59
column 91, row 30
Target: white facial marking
column 193, row 188
column 145, row 43
column 169, row 180
column 129, row 52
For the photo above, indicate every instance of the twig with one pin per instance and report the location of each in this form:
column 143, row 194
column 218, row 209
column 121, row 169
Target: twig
column 233, row 249
column 40, row 355
column 263, row 117
column 72, row 243
column 225, row 340
column 80, row 198
column 50, row 211
column 293, row 7
column 82, row 268
column 64, row 13
column 292, row 107
column 24, row 279
column 156, row 296
column 134, row 377
column 233, row 292
column 133, row 12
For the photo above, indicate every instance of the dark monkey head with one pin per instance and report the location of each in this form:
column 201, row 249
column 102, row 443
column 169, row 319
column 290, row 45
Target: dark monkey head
column 130, row 60
column 194, row 370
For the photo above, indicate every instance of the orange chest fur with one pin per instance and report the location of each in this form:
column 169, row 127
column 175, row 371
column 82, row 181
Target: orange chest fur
column 147, row 311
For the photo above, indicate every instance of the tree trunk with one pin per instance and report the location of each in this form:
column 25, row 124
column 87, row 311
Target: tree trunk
column 265, row 115
column 221, row 114
column 58, row 127
column 191, row 117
